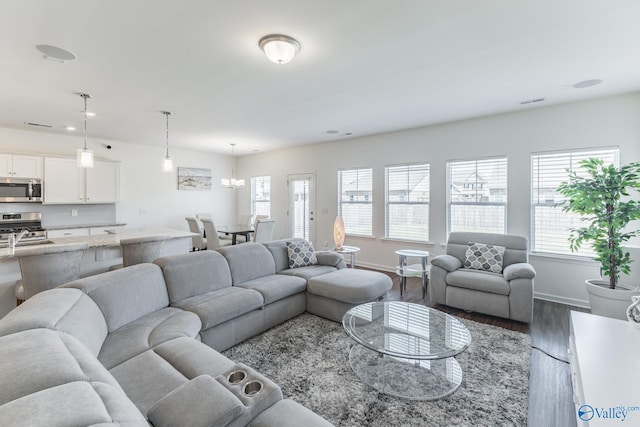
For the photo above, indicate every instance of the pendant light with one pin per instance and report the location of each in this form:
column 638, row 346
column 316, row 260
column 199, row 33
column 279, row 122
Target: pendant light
column 85, row 156
column 232, row 182
column 168, row 163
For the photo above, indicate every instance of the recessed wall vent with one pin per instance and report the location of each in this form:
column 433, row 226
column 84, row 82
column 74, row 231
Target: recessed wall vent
column 40, row 125
column 531, row 101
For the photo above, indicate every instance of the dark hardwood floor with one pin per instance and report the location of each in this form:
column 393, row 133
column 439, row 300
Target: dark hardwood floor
column 550, row 390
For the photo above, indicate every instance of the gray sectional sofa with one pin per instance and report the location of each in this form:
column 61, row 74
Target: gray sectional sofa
column 140, row 345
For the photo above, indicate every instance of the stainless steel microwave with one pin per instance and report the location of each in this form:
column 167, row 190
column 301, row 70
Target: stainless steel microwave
column 13, row 190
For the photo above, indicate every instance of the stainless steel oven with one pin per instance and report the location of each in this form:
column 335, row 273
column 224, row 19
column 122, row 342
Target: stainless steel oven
column 13, row 190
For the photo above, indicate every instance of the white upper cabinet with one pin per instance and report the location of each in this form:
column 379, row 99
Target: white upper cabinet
column 20, row 166
column 66, row 183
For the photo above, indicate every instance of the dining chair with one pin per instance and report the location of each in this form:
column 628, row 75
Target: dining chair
column 46, row 267
column 138, row 250
column 242, row 239
column 198, row 242
column 264, row 230
column 213, row 241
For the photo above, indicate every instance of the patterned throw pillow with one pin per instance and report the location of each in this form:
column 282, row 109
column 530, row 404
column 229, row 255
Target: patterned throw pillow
column 484, row 257
column 301, row 254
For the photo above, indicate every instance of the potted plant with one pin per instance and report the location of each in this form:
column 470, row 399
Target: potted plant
column 603, row 198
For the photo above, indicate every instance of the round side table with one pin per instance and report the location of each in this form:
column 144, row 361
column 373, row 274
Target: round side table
column 414, row 270
column 348, row 250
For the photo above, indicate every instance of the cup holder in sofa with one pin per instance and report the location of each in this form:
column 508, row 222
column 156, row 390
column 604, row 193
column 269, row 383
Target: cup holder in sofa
column 252, row 388
column 236, row 377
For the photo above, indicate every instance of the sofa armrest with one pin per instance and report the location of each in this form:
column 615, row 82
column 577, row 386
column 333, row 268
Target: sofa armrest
column 448, row 262
column 519, row 270
column 200, row 402
column 330, row 258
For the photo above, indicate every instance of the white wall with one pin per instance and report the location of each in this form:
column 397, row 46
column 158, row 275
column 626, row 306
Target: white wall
column 148, row 197
column 596, row 123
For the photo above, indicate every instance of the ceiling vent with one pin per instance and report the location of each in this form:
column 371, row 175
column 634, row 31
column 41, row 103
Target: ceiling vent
column 531, row 101
column 40, row 125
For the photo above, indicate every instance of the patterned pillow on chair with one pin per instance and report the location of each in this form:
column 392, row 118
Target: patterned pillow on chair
column 301, row 254
column 484, row 257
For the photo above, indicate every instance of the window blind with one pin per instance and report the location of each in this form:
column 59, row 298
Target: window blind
column 551, row 227
column 477, row 195
column 355, row 203
column 261, row 195
column 407, row 202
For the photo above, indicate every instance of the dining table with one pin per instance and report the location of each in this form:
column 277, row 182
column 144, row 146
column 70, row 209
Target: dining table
column 236, row 230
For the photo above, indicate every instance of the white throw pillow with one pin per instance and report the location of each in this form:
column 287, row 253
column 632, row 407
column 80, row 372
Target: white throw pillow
column 484, row 257
column 301, row 254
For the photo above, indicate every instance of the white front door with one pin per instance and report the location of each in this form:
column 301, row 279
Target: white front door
column 302, row 206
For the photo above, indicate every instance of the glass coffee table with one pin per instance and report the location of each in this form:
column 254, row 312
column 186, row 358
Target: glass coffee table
column 406, row 350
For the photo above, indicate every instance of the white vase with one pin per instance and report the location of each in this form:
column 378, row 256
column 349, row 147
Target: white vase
column 633, row 311
column 609, row 302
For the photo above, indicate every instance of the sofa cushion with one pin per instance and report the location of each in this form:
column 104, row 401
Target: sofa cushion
column 278, row 249
column 194, row 273
column 480, row 256
column 248, row 261
column 275, row 287
column 309, row 271
column 65, row 310
column 126, row 294
column 77, row 403
column 148, row 332
column 185, row 406
column 149, row 376
column 222, row 305
column 301, row 254
column 350, row 285
column 287, row 413
column 479, row 280
column 66, row 375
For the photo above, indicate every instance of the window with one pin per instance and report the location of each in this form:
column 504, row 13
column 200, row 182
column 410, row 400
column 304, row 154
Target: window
column 550, row 225
column 407, row 202
column 261, row 195
column 355, row 203
column 477, row 195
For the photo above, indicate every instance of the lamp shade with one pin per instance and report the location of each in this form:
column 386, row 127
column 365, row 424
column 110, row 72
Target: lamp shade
column 338, row 232
column 167, row 165
column 85, row 158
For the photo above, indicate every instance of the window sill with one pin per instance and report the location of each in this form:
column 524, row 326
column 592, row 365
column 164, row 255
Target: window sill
column 409, row 241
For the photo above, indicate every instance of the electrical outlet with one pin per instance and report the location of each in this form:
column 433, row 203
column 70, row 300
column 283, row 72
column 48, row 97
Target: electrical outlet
column 74, row 212
column 142, row 211
column 100, row 255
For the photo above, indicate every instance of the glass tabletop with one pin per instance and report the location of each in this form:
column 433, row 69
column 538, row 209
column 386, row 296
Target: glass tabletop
column 406, row 330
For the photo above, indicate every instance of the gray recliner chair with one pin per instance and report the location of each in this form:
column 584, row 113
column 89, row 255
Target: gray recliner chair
column 507, row 294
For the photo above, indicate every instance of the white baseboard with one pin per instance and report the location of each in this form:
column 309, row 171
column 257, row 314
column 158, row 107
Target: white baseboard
column 376, row 266
column 562, row 300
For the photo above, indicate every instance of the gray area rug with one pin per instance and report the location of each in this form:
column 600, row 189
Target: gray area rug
column 308, row 357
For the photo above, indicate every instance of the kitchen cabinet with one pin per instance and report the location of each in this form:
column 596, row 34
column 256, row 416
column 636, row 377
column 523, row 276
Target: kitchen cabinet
column 65, row 183
column 20, row 166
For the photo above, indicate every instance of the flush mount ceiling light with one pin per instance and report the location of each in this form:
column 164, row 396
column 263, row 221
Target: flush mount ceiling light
column 55, row 53
column 85, row 156
column 232, row 182
column 167, row 166
column 280, row 49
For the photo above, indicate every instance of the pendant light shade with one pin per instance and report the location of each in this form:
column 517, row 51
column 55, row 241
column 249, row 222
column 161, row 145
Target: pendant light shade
column 84, row 155
column 278, row 48
column 232, row 182
column 167, row 165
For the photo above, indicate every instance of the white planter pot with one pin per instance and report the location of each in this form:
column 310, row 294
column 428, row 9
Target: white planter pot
column 610, row 302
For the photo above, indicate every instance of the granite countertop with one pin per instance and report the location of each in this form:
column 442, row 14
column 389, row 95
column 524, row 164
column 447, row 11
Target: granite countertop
column 106, row 240
column 69, row 226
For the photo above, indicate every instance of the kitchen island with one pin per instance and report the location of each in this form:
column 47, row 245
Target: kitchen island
column 103, row 253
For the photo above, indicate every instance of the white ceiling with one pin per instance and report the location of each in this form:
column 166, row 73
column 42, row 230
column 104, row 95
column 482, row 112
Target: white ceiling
column 365, row 67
